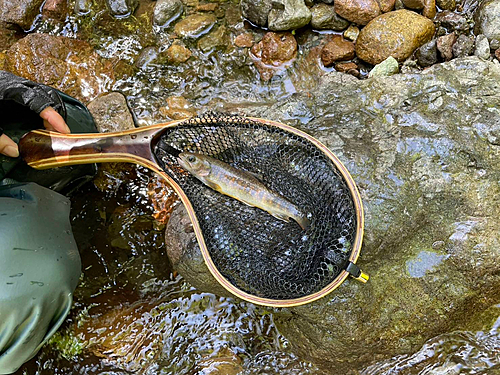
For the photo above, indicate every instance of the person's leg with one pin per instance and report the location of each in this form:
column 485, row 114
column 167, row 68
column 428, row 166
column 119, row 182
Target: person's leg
column 39, row 270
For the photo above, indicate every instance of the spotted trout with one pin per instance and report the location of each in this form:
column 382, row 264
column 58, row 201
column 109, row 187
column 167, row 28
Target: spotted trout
column 240, row 185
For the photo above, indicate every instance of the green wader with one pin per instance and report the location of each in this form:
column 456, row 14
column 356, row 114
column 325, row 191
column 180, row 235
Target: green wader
column 39, row 260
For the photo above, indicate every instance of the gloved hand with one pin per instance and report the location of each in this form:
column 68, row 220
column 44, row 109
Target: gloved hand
column 39, row 98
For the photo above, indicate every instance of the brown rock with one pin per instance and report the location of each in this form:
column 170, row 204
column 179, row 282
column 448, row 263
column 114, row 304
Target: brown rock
column 67, row 64
column 497, row 54
column 347, row 67
column 272, row 52
column 178, row 53
column 19, row 12
column 55, row 9
column 447, row 4
column 395, row 34
column 177, row 108
column 8, row 36
column 445, row 45
column 359, row 11
column 386, row 5
column 414, row 4
column 195, row 25
column 210, row 7
column 337, row 49
column 429, row 9
column 244, row 40
column 111, row 113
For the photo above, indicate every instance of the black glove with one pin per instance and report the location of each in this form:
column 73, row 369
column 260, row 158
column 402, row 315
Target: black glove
column 30, row 94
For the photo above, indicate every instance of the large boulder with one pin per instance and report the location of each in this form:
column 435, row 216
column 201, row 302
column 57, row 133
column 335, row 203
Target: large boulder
column 424, row 150
column 67, row 64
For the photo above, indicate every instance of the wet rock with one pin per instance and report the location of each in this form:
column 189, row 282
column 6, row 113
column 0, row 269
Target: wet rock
column 427, row 54
column 324, row 17
column 177, row 53
column 463, row 46
column 395, row 34
column 233, row 16
column 111, row 113
column 446, row 4
column 167, row 11
column 244, row 40
column 358, row 11
column 288, row 15
column 452, row 21
column 386, row 5
column 185, row 254
column 122, row 8
column 273, row 52
column 215, row 39
column 67, row 64
column 482, row 49
column 148, row 56
column 351, row 33
column 19, row 12
column 337, row 49
column 177, row 108
column 414, row 4
column 429, row 9
column 256, row 11
column 83, row 7
column 195, row 25
column 388, row 67
column 424, row 150
column 347, row 67
column 445, row 45
column 55, row 9
column 8, row 36
column 209, row 7
column 487, row 18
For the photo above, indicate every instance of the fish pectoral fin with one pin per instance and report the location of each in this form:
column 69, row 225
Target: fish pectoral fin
column 213, row 185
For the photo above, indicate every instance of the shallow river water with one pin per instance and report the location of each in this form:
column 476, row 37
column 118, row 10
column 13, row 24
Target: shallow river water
column 133, row 314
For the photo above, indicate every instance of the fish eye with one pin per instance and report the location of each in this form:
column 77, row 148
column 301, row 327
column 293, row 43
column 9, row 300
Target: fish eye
column 191, row 159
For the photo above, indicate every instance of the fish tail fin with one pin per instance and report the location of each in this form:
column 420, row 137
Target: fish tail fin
column 303, row 222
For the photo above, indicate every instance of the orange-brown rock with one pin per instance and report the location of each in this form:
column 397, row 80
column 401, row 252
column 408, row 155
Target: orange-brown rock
column 67, row 64
column 429, row 9
column 497, row 54
column 347, row 67
column 272, row 52
column 244, row 40
column 386, row 5
column 56, row 9
column 337, row 49
column 359, row 11
column 209, row 7
column 395, row 34
column 177, row 108
column 178, row 53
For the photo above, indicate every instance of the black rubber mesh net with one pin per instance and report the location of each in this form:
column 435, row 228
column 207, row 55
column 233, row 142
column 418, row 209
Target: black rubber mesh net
column 256, row 252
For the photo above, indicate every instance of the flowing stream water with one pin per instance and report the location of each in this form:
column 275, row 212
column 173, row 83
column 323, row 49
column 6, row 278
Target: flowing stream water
column 132, row 313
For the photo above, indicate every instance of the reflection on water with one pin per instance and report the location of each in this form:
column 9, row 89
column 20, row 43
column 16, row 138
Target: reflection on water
column 449, row 354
